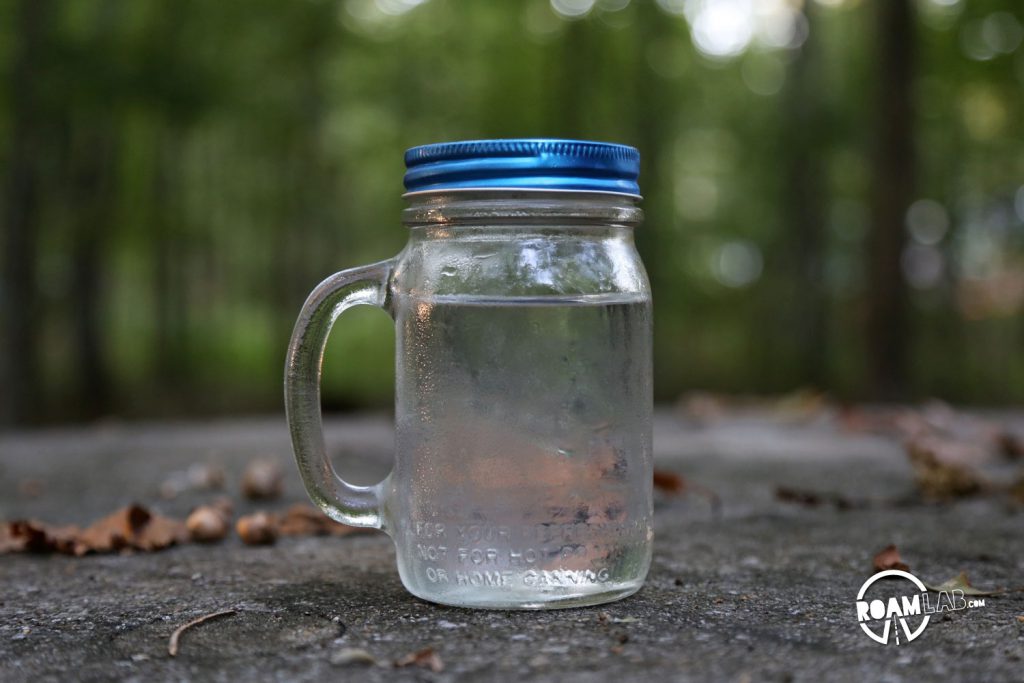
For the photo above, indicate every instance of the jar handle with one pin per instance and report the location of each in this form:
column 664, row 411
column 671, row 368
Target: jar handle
column 366, row 285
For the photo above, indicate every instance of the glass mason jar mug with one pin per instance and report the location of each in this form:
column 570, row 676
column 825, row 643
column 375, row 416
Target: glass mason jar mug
column 522, row 474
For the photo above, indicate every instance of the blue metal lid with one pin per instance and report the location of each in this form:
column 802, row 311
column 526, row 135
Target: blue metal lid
column 530, row 163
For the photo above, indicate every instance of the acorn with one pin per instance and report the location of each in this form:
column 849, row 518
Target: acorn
column 207, row 524
column 257, row 529
column 262, row 480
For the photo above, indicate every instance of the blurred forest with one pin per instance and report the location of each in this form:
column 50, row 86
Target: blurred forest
column 834, row 188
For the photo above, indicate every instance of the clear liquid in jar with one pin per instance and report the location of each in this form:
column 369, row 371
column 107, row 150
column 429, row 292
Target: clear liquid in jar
column 525, row 431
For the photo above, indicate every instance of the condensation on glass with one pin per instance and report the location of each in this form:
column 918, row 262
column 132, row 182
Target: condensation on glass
column 522, row 473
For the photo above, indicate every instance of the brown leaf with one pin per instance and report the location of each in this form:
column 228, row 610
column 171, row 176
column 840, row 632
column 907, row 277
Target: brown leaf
column 113, row 532
column 960, row 583
column 1017, row 490
column 8, row 542
column 889, row 558
column 306, row 520
column 800, row 497
column 670, row 482
column 807, row 498
column 133, row 527
column 940, row 480
column 675, row 484
column 426, row 658
column 1010, row 445
column 36, row 537
column 160, row 533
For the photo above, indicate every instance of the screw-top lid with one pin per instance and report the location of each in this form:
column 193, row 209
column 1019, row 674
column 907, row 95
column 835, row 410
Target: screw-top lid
column 531, row 163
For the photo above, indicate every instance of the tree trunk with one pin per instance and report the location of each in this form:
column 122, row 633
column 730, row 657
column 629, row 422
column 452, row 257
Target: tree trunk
column 19, row 363
column 893, row 183
column 802, row 198
column 92, row 200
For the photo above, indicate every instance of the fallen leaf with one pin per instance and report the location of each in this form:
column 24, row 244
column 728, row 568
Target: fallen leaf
column 352, row 655
column 130, row 528
column 806, row 498
column 814, row 499
column 426, row 658
column 801, row 405
column 960, row 582
column 675, row 484
column 133, row 527
column 306, row 520
column 669, row 482
column 1010, row 445
column 1017, row 490
column 936, row 479
column 889, row 558
column 36, row 537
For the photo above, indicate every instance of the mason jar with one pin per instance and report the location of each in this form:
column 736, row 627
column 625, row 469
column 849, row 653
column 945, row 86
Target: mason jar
column 522, row 473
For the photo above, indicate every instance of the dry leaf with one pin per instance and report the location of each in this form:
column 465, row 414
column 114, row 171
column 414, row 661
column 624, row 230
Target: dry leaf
column 959, row 582
column 1017, row 490
column 814, row 499
column 889, row 558
column 670, row 482
column 426, row 658
column 1010, row 445
column 133, row 527
column 37, row 537
column 936, row 479
column 352, row 655
column 306, row 520
column 801, row 405
column 675, row 484
column 806, row 498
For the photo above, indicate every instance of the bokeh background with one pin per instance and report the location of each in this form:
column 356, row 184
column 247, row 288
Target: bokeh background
column 834, row 188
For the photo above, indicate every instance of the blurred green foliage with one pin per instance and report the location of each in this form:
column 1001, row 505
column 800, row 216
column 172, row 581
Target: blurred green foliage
column 178, row 175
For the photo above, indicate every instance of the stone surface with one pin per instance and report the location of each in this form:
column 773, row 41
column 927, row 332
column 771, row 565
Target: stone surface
column 763, row 590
